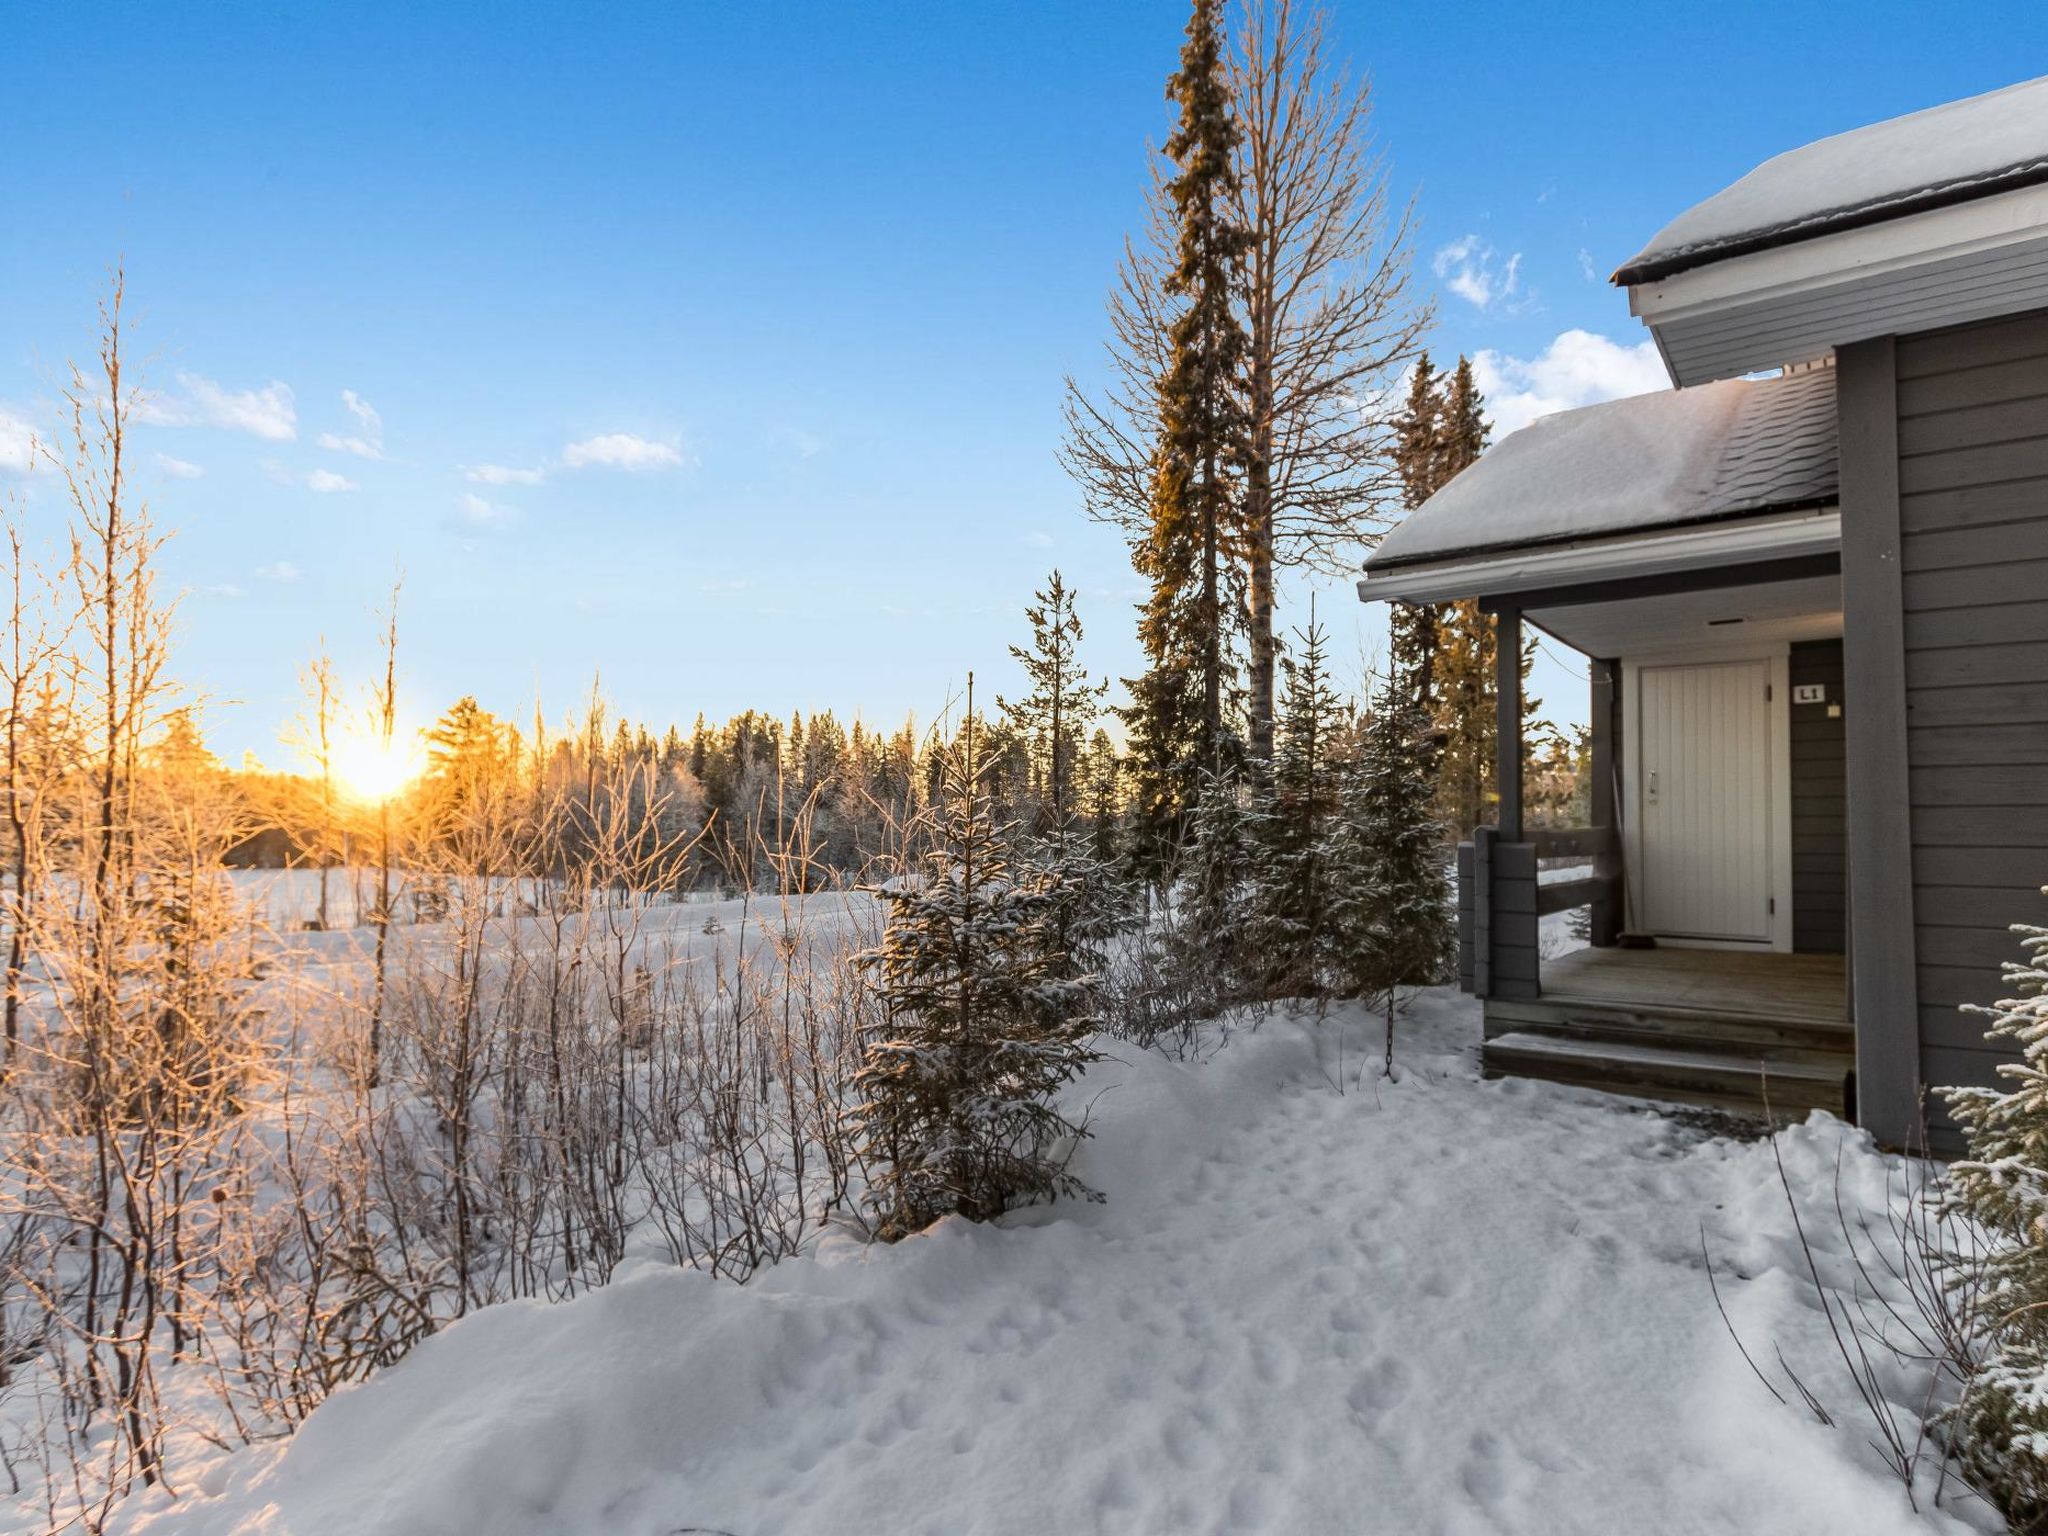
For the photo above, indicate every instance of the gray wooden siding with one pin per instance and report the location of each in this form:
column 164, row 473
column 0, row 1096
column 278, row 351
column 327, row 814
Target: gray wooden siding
column 1819, row 798
column 1973, row 518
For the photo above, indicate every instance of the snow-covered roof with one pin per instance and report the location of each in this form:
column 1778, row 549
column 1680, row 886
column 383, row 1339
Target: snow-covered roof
column 1946, row 154
column 1679, row 456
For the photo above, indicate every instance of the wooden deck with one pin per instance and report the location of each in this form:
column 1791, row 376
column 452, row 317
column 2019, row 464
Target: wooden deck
column 1734, row 1029
column 1806, row 988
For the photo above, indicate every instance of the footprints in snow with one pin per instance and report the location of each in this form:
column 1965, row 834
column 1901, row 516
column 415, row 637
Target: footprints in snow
column 1380, row 1391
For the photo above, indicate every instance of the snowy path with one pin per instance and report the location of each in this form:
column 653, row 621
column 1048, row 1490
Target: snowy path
column 1447, row 1306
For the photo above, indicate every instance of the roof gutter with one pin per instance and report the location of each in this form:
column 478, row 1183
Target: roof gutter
column 1521, row 570
column 1753, row 306
column 1650, row 269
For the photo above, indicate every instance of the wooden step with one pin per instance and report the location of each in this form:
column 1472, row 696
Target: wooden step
column 1729, row 1078
column 1669, row 1025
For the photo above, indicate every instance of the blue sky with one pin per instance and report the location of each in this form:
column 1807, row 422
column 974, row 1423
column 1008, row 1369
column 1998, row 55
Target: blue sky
column 719, row 348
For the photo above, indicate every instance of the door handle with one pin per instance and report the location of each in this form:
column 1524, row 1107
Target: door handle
column 1653, row 781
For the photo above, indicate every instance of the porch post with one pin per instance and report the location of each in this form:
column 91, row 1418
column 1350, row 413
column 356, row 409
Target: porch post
column 1604, row 676
column 1507, row 682
column 1882, row 936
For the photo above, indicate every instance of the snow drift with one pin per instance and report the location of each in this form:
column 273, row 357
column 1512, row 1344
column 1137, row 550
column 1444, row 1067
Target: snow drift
column 1439, row 1305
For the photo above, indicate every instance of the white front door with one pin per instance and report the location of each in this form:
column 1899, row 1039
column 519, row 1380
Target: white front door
column 1704, row 790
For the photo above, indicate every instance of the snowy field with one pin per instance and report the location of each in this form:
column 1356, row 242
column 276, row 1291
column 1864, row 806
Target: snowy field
column 289, row 899
column 698, row 928
column 1311, row 1302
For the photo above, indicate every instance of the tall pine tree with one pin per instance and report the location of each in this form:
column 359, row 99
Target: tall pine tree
column 1412, row 628
column 1179, row 711
column 1443, row 656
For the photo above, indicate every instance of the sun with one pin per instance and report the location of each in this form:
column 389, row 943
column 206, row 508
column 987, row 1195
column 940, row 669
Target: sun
column 371, row 769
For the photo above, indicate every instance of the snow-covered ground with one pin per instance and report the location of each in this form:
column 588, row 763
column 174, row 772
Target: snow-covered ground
column 705, row 929
column 1311, row 1302
column 289, row 899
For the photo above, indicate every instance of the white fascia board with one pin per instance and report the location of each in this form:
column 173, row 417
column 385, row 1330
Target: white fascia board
column 2003, row 220
column 1654, row 554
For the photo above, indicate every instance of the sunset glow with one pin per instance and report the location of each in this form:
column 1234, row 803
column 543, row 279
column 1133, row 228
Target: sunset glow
column 372, row 770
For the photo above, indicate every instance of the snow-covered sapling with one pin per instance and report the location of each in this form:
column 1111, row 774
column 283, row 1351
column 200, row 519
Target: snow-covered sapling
column 1209, row 940
column 2001, row 1185
column 1393, row 888
column 984, row 1021
column 1294, row 901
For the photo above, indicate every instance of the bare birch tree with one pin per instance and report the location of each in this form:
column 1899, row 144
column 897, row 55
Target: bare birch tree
column 384, row 723
column 1329, row 310
column 124, row 1089
column 316, row 740
column 1111, row 433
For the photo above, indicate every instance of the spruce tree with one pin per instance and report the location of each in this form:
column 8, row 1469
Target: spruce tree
column 1103, row 774
column 1090, row 901
column 1211, row 940
column 1177, row 717
column 984, row 1023
column 1412, row 628
column 2000, row 1187
column 1056, row 716
column 1294, row 894
column 469, row 751
column 1392, row 886
column 1462, row 688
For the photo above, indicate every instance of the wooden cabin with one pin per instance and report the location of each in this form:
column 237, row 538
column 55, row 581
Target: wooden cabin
column 1812, row 585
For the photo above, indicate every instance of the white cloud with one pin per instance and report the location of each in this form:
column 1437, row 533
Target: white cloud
column 179, row 469
column 479, row 513
column 368, row 441
column 1472, row 269
column 499, row 474
column 805, row 445
column 361, row 447
column 1578, row 368
column 327, row 482
column 1038, row 538
column 278, row 570
column 267, row 412
column 18, row 453
column 225, row 589
column 622, row 450
column 1587, row 270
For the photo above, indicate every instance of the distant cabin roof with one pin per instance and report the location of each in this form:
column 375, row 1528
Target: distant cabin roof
column 1679, row 456
column 1946, row 154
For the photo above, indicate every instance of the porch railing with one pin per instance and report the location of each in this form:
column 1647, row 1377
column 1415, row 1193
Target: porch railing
column 1502, row 901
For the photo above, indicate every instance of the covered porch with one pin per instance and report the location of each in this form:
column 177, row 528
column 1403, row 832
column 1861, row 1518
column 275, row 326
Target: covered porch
column 1693, row 558
column 1713, row 868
